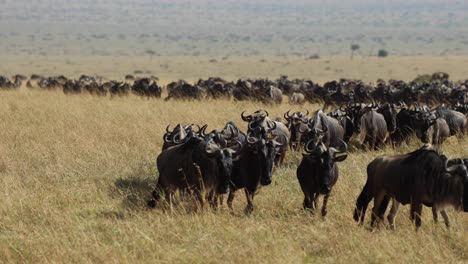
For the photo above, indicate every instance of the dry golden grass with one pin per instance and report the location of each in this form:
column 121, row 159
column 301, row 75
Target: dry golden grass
column 75, row 172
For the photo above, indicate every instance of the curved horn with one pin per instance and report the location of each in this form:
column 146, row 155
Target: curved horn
column 201, row 132
column 266, row 112
column 343, row 149
column 452, row 168
column 273, row 127
column 246, row 118
column 286, row 115
column 252, row 140
column 307, row 112
column 167, row 129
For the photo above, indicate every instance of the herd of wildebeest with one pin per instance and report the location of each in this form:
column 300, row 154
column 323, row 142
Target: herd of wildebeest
column 425, row 89
column 195, row 162
column 208, row 165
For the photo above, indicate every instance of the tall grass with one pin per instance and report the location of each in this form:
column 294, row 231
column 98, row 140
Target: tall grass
column 75, row 172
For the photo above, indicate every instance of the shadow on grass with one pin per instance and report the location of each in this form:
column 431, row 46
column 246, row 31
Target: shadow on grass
column 134, row 190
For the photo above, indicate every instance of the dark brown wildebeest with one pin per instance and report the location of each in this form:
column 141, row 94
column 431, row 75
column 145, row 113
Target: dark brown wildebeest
column 298, row 128
column 254, row 167
column 318, row 173
column 194, row 165
column 417, row 178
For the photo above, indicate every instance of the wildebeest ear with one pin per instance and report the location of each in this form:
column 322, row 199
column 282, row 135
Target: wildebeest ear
column 340, row 158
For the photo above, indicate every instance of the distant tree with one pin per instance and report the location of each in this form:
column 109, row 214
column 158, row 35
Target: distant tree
column 354, row 47
column 382, row 53
column 151, row 53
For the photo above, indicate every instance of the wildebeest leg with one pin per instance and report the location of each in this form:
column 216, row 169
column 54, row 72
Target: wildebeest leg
column 445, row 216
column 212, row 199
column 231, row 196
column 393, row 212
column 199, row 198
column 378, row 199
column 156, row 194
column 315, row 203
column 416, row 211
column 249, row 195
column 324, row 206
column 307, row 204
column 435, row 214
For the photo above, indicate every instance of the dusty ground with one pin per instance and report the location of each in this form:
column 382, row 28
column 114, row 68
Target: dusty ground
column 75, row 172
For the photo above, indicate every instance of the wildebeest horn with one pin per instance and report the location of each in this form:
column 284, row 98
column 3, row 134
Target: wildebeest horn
column 166, row 138
column 317, row 151
column 167, row 129
column 452, row 168
column 201, row 132
column 271, row 127
column 251, row 139
column 343, row 149
column 184, row 140
column 266, row 112
column 246, row 118
column 286, row 115
column 307, row 112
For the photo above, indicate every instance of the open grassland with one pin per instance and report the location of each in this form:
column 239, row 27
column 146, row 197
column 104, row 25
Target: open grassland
column 75, row 172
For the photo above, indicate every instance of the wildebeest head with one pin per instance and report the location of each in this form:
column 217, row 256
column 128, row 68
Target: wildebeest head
column 216, row 148
column 324, row 160
column 424, row 119
column 389, row 111
column 353, row 111
column 176, row 136
column 318, row 128
column 456, row 169
column 265, row 150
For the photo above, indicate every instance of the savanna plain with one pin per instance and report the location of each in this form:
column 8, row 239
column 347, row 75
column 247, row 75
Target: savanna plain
column 76, row 171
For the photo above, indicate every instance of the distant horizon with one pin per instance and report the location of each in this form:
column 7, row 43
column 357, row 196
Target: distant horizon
column 233, row 28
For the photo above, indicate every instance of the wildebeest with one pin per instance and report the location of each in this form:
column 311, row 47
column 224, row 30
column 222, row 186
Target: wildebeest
column 373, row 127
column 456, row 121
column 346, row 123
column 297, row 123
column 423, row 123
column 197, row 163
column 297, row 99
column 260, row 125
column 325, row 129
column 318, row 173
column 417, row 178
column 253, row 168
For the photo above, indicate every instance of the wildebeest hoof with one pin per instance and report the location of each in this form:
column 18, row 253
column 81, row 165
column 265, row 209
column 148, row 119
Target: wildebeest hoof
column 248, row 210
column 151, row 203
